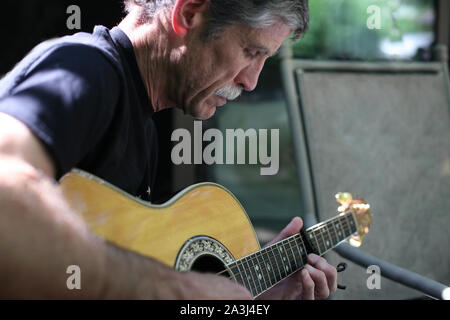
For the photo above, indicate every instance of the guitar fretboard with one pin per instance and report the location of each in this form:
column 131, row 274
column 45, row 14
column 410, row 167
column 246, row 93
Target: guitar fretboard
column 262, row 270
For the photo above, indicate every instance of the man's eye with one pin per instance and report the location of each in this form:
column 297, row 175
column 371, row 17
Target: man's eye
column 251, row 53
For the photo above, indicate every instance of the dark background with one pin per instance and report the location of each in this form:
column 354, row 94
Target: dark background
column 24, row 24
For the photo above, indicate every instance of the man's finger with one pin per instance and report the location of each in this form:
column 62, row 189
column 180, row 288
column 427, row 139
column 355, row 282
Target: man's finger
column 307, row 285
column 329, row 271
column 321, row 290
column 292, row 228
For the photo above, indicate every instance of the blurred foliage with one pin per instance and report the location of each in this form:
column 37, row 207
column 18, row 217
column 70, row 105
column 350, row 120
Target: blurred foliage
column 338, row 28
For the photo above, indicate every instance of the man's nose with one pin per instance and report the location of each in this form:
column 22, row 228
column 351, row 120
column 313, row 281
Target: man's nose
column 248, row 77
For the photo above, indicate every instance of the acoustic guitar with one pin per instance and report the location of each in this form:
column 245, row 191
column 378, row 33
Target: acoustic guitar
column 205, row 228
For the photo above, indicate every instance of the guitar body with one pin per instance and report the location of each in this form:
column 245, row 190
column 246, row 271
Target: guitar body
column 203, row 228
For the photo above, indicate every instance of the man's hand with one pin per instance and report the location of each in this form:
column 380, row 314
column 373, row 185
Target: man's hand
column 315, row 281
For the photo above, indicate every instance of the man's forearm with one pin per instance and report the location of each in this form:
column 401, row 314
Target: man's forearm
column 40, row 237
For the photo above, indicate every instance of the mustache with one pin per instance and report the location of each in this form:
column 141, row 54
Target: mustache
column 229, row 92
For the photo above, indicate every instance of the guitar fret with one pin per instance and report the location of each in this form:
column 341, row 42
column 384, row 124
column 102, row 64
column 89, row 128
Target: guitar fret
column 337, row 239
column 236, row 273
column 318, row 233
column 273, row 266
column 260, row 268
column 281, row 264
column 269, row 267
column 258, row 284
column 249, row 276
column 293, row 256
column 275, row 260
column 320, row 229
column 311, row 236
column 352, row 226
column 287, row 261
column 244, row 276
column 299, row 252
column 329, row 241
column 346, row 225
column 291, row 259
column 341, row 228
column 303, row 251
column 265, row 265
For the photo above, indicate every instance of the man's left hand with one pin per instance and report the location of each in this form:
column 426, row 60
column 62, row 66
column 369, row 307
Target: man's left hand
column 315, row 281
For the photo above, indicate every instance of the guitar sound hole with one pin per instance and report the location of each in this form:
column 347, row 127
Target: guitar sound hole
column 209, row 263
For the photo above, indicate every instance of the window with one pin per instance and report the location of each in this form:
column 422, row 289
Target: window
column 368, row 30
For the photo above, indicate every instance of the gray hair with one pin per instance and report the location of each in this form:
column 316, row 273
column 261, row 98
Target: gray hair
column 224, row 13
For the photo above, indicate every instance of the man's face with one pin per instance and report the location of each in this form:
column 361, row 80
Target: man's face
column 217, row 71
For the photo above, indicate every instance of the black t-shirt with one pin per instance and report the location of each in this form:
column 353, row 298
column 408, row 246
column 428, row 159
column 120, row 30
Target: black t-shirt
column 84, row 97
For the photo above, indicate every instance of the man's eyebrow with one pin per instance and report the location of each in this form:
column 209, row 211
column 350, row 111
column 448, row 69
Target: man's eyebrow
column 266, row 50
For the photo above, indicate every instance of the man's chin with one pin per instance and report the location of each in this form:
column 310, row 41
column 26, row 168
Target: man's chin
column 205, row 114
column 203, row 111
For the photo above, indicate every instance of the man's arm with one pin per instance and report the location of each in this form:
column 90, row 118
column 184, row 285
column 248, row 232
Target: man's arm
column 40, row 236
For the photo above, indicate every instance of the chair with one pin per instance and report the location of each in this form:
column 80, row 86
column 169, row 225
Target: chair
column 381, row 130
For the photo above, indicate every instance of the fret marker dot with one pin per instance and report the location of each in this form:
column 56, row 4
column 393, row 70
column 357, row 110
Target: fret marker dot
column 328, row 243
column 287, row 268
column 259, row 276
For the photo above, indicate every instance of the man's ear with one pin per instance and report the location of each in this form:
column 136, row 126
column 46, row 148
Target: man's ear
column 187, row 14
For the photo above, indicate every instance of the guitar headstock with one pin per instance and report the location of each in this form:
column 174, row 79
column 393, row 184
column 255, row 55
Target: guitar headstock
column 362, row 214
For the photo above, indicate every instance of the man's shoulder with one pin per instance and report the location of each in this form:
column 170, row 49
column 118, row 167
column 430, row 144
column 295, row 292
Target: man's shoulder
column 82, row 45
column 83, row 51
column 100, row 39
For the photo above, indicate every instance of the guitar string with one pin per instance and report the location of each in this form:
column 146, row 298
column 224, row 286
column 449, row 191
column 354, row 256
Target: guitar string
column 293, row 238
column 346, row 228
column 253, row 284
column 278, row 254
column 261, row 284
column 272, row 278
column 250, row 280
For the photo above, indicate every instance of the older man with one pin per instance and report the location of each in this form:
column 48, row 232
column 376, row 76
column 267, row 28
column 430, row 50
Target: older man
column 86, row 101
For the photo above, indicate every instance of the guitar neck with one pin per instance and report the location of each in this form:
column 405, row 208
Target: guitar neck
column 262, row 270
